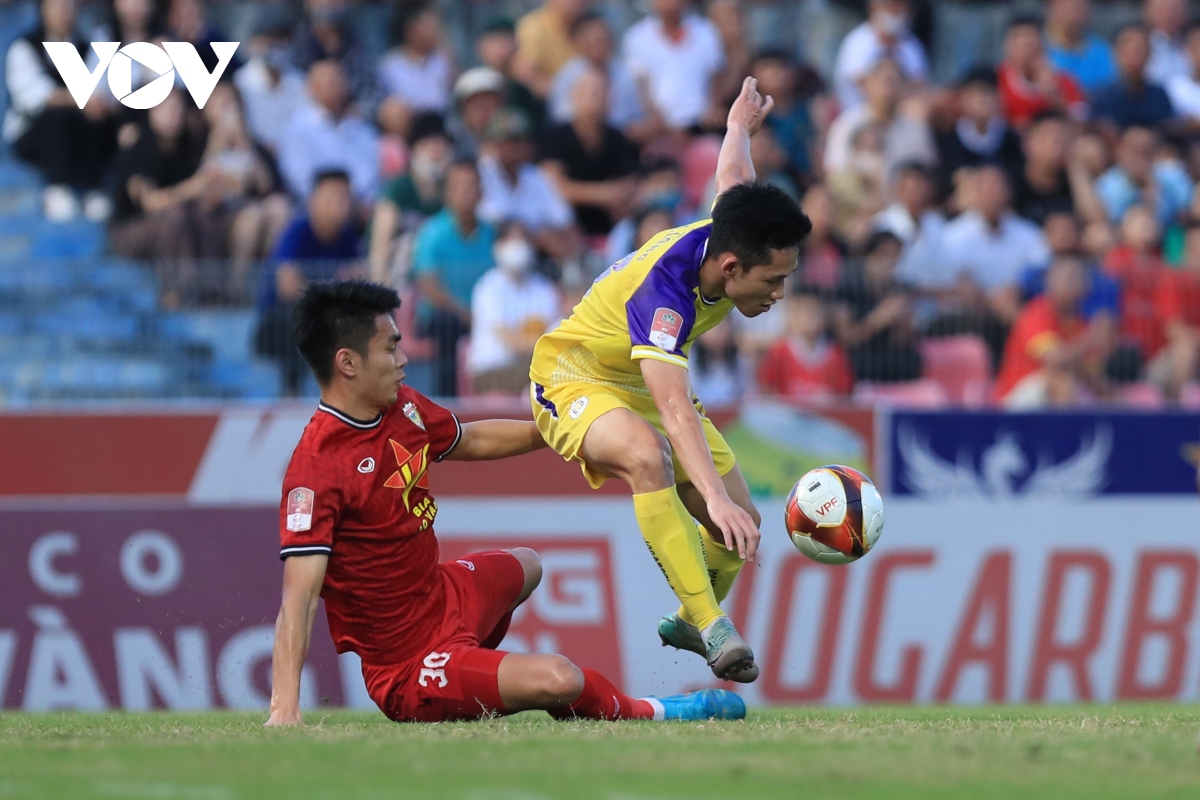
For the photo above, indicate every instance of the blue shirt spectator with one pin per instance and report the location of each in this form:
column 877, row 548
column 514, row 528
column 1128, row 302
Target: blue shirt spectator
column 1073, row 49
column 1125, row 184
column 1103, row 293
column 1132, row 99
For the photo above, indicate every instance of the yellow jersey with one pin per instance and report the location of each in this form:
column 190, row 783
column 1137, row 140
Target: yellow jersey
column 647, row 305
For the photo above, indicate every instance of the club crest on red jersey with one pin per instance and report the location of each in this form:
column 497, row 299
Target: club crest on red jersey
column 410, row 411
column 664, row 331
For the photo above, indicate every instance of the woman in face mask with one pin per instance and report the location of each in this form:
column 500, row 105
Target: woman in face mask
column 511, row 306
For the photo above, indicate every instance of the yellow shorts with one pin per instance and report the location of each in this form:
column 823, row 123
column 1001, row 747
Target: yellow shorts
column 564, row 413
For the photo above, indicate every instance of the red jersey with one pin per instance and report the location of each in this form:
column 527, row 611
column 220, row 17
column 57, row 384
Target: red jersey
column 1038, row 329
column 1021, row 101
column 1140, row 277
column 1179, row 298
column 791, row 370
column 358, row 491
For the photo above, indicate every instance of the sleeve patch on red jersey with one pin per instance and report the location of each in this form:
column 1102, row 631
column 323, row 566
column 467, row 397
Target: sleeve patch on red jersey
column 300, row 509
column 664, row 332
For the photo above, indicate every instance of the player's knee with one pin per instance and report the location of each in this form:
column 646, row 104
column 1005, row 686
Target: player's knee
column 531, row 563
column 561, row 681
column 648, row 463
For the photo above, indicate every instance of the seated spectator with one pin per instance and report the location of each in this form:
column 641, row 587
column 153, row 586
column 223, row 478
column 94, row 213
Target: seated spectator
column 511, row 306
column 131, row 21
column 1044, row 355
column 321, row 244
column 905, row 137
column 591, row 163
column 409, row 199
column 771, row 163
column 70, row 147
column 1178, row 307
column 593, row 45
column 478, row 94
column 1029, row 83
column 715, row 368
column 730, row 23
column 822, row 253
column 497, row 50
column 1137, row 266
column 1184, row 88
column 1073, row 49
column 983, row 253
column 1132, row 99
column 515, row 188
column 270, row 85
column 885, row 34
column 674, row 55
column 327, row 34
column 544, row 42
column 790, row 119
column 659, row 196
column 187, row 21
column 917, row 223
column 416, row 74
column 1166, row 20
column 859, row 189
column 1140, row 177
column 980, row 135
column 452, row 251
column 253, row 196
column 328, row 134
column 1052, row 182
column 806, row 364
column 874, row 315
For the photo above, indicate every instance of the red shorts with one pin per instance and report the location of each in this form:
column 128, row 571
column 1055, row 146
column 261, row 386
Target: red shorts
column 455, row 678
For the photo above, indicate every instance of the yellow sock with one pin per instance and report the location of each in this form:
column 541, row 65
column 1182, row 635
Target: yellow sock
column 723, row 567
column 674, row 541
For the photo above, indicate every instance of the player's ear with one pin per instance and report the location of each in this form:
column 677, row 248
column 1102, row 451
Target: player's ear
column 729, row 263
column 345, row 361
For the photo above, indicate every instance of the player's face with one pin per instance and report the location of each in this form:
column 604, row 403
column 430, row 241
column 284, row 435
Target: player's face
column 753, row 291
column 383, row 369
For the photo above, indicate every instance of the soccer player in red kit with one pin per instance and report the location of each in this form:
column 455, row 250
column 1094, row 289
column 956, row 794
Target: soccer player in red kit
column 356, row 527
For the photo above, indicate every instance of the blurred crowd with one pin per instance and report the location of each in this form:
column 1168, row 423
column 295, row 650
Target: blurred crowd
column 1028, row 234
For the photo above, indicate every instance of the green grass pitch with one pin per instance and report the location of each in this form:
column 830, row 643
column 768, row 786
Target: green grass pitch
column 1131, row 751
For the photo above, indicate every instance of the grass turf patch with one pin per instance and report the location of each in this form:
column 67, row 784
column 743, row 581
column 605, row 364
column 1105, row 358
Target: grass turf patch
column 1060, row 752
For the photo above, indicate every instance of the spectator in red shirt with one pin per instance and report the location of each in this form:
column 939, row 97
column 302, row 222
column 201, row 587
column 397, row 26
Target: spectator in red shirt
column 1138, row 267
column 806, row 364
column 1044, row 355
column 1177, row 305
column 1029, row 84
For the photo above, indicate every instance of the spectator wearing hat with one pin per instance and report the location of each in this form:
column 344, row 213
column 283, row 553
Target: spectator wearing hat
column 516, row 188
column 885, row 34
column 980, row 135
column 544, row 42
column 271, row 87
column 328, row 134
column 496, row 47
column 590, row 162
column 452, row 252
column 1073, row 49
column 1029, row 83
column 409, row 199
column 478, row 95
column 593, row 44
column 1132, row 99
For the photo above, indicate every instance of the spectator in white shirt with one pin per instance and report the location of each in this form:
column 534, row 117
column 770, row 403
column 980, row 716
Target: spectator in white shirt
column 917, row 223
column 674, row 55
column 594, row 49
column 511, row 306
column 1166, row 20
column 416, row 75
column 1184, row 89
column 885, row 34
column 272, row 89
column 515, row 188
column 327, row 134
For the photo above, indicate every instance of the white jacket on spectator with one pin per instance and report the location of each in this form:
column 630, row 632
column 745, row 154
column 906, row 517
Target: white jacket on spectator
column 502, row 301
column 313, row 140
column 269, row 108
column 992, row 258
column 860, row 50
column 533, row 200
column 678, row 74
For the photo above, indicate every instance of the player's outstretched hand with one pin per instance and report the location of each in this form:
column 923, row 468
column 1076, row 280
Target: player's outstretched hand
column 282, row 719
column 750, row 109
column 737, row 526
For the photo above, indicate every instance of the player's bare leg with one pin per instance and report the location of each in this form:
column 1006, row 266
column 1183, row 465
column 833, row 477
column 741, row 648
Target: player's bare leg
column 622, row 444
column 724, row 565
column 531, row 563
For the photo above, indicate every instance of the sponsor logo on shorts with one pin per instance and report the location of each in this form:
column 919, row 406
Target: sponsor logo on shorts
column 664, row 332
column 578, row 407
column 300, row 509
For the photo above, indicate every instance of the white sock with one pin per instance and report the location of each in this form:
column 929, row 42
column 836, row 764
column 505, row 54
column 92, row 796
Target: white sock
column 660, row 713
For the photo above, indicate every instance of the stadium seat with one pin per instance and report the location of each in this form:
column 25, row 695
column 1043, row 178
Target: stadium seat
column 78, row 239
column 1145, row 396
column 962, row 365
column 699, row 164
column 924, row 393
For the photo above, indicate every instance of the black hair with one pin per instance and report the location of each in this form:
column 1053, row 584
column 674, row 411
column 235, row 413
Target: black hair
column 403, row 19
column 1133, row 25
column 773, row 54
column 331, row 315
column 1024, row 21
column 914, row 166
column 880, row 238
column 649, row 166
column 425, row 125
column 752, row 219
column 330, row 174
column 586, row 18
column 1047, row 115
column 498, row 25
column 464, row 163
column 979, row 76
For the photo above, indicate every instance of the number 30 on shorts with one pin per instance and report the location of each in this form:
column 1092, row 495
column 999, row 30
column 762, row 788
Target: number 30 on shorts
column 434, row 670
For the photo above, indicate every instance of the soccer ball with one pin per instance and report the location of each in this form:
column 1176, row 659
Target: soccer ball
column 834, row 514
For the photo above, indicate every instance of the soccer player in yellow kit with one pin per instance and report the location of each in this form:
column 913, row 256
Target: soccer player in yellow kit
column 611, row 390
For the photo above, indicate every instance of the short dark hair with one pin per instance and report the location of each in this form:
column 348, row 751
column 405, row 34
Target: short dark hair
column 426, row 125
column 979, row 75
column 331, row 315
column 585, row 19
column 1024, row 21
column 331, row 174
column 880, row 238
column 1132, row 25
column 752, row 219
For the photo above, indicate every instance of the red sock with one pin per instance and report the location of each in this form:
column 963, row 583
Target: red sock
column 601, row 700
column 498, row 633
